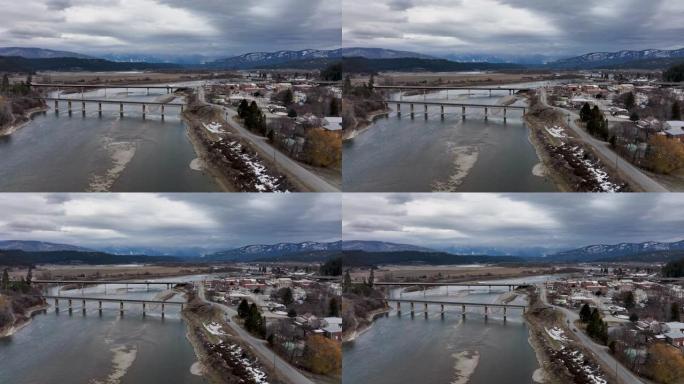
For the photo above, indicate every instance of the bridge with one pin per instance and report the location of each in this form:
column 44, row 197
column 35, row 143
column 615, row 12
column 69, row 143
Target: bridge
column 510, row 286
column 121, row 103
column 510, row 90
column 168, row 88
column 83, row 283
column 463, row 106
column 121, row 302
column 463, row 305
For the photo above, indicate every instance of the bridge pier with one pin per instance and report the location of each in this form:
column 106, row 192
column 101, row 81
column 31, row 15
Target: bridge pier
column 69, row 107
column 99, row 306
column 486, row 313
column 121, row 308
column 442, row 111
column 144, row 310
column 412, row 114
column 181, row 107
column 442, row 309
column 121, row 109
column 426, row 111
column 143, row 108
column 505, row 114
column 162, row 310
column 162, row 112
column 83, row 111
column 99, row 109
column 463, row 113
column 70, row 307
column 398, row 307
column 84, row 307
column 463, row 311
column 148, row 287
column 485, row 113
column 148, row 91
column 57, row 304
column 56, row 107
column 505, row 313
column 412, row 309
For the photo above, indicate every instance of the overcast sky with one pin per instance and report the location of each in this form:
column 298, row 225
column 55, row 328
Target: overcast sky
column 207, row 27
column 172, row 220
column 548, row 27
column 513, row 220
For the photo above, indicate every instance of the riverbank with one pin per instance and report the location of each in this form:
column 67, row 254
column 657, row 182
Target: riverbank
column 361, row 126
column 221, row 357
column 561, row 357
column 570, row 165
column 19, row 123
column 12, row 321
column 364, row 326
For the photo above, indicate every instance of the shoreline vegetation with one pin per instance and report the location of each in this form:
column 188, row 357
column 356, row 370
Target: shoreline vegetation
column 226, row 157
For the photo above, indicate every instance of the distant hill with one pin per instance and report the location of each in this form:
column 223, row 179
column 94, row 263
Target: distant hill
column 650, row 64
column 619, row 58
column 307, row 58
column 524, row 59
column 364, row 65
column 20, row 64
column 361, row 258
column 270, row 251
column 16, row 257
column 39, row 246
column 650, row 250
column 40, row 53
column 380, row 246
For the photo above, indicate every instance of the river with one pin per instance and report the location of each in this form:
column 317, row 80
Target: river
column 58, row 347
column 437, row 350
column 400, row 154
column 62, row 153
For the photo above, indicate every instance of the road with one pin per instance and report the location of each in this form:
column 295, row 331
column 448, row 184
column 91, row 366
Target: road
column 625, row 168
column 308, row 179
column 266, row 356
column 602, row 352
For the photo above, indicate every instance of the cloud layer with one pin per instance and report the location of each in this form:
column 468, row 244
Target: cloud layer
column 513, row 27
column 173, row 27
column 211, row 221
column 513, row 220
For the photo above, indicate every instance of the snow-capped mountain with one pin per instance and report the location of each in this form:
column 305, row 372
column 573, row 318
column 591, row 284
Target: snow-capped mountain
column 39, row 53
column 615, row 251
column 599, row 59
column 265, row 59
column 380, row 246
column 39, row 246
column 265, row 251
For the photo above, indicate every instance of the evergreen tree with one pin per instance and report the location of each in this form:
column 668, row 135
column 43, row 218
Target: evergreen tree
column 242, row 109
column 347, row 283
column 243, row 309
column 371, row 83
column 676, row 112
column 334, row 308
column 585, row 313
column 29, row 276
column 347, row 86
column 4, row 87
column 334, row 107
column 5, row 282
column 371, row 278
column 630, row 101
column 585, row 112
column 288, row 97
column 287, row 296
column 674, row 312
column 629, row 300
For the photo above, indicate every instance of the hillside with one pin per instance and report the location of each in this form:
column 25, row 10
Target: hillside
column 646, row 251
column 361, row 258
column 364, row 65
column 14, row 257
column 39, row 246
column 20, row 64
column 611, row 59
column 39, row 53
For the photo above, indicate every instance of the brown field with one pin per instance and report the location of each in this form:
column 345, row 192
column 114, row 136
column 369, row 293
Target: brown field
column 115, row 272
column 451, row 273
column 456, row 78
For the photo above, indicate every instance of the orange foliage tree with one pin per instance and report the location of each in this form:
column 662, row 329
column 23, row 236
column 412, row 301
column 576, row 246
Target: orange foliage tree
column 322, row 355
column 666, row 364
column 665, row 155
column 324, row 148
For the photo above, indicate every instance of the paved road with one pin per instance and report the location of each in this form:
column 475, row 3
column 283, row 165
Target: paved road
column 308, row 179
column 626, row 169
column 266, row 356
column 602, row 352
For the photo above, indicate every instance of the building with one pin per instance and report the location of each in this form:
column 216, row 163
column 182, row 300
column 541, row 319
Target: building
column 332, row 328
column 332, row 123
column 674, row 129
column 674, row 333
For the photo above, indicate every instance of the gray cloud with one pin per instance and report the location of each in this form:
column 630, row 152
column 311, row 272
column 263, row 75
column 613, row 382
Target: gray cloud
column 513, row 220
column 171, row 27
column 554, row 28
column 170, row 220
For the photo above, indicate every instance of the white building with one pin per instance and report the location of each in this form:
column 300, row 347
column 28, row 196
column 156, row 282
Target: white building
column 674, row 129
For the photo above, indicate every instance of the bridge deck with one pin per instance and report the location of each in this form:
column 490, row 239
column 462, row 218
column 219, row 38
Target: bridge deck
column 107, row 282
column 105, row 86
column 108, row 101
column 451, row 88
column 448, row 104
column 455, row 303
column 454, row 284
column 113, row 300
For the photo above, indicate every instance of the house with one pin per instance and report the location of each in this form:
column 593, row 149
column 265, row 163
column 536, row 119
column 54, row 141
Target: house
column 674, row 333
column 332, row 123
column 674, row 129
column 332, row 328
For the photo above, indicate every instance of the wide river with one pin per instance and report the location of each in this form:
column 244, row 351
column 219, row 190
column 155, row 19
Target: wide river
column 58, row 347
column 62, row 153
column 445, row 349
column 400, row 154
